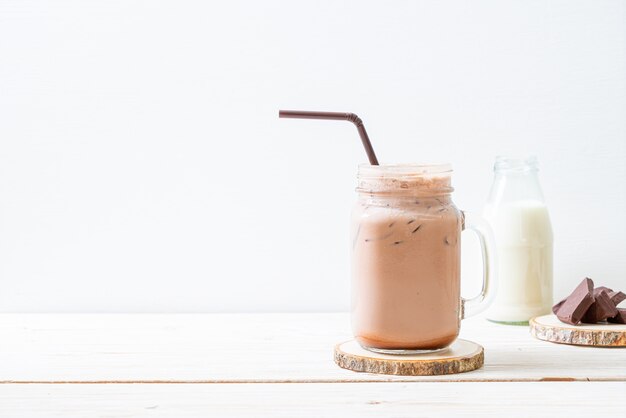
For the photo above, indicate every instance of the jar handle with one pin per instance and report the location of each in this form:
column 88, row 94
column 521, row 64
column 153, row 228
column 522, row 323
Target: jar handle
column 480, row 302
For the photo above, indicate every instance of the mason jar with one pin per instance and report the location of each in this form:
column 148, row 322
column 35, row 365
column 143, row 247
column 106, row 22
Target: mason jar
column 406, row 259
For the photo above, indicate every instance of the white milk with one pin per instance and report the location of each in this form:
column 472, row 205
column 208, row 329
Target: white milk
column 524, row 241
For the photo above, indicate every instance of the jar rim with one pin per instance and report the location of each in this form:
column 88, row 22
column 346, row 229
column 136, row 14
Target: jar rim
column 404, row 170
column 405, row 179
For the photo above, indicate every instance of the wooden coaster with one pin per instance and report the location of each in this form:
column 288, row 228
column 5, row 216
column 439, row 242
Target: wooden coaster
column 461, row 356
column 549, row 328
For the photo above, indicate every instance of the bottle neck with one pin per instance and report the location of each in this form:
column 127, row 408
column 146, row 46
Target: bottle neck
column 515, row 185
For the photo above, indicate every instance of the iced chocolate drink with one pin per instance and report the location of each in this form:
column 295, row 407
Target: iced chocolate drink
column 406, row 259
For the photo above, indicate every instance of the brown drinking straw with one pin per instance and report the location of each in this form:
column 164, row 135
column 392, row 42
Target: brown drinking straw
column 351, row 117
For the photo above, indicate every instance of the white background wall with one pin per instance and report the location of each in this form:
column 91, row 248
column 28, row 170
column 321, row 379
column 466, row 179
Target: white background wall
column 143, row 166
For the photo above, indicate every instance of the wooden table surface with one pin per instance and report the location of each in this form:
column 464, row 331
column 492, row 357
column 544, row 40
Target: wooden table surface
column 120, row 365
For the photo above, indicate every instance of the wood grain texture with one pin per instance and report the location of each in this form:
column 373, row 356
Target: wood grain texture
column 549, row 328
column 218, row 348
column 417, row 399
column 462, row 356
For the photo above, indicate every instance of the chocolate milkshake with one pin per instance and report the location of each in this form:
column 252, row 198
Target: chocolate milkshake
column 406, row 253
column 405, row 259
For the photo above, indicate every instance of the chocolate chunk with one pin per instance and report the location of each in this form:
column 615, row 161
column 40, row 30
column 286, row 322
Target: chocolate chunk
column 576, row 304
column 617, row 297
column 601, row 309
column 557, row 306
column 620, row 318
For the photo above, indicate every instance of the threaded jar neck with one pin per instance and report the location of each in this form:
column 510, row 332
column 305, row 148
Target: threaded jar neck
column 404, row 180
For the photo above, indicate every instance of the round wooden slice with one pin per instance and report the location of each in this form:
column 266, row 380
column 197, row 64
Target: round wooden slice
column 549, row 328
column 461, row 356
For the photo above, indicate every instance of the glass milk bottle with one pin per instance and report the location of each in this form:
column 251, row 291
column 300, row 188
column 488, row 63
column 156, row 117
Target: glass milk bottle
column 519, row 218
